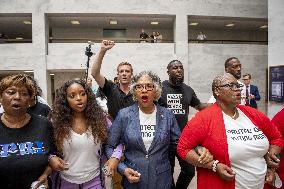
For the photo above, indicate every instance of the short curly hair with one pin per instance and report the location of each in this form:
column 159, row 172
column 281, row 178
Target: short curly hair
column 62, row 115
column 217, row 81
column 154, row 77
column 18, row 80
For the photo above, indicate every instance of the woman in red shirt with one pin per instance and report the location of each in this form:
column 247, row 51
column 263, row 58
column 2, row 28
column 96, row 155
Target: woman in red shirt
column 278, row 120
column 237, row 136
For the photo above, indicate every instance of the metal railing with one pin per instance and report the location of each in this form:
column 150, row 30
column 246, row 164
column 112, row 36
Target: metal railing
column 134, row 40
column 3, row 41
column 228, row 41
column 98, row 40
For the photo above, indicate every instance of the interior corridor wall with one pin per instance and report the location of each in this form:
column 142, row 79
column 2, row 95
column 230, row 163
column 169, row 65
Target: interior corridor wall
column 275, row 43
column 207, row 61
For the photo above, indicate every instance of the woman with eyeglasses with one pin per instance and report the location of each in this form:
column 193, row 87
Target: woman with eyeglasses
column 147, row 131
column 243, row 141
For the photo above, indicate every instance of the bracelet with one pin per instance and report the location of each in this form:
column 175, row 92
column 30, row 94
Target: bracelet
column 50, row 157
column 214, row 166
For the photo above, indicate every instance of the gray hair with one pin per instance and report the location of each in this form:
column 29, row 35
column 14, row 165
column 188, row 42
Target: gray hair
column 217, row 81
column 155, row 79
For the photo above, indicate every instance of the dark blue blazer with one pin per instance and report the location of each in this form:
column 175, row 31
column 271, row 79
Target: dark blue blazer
column 254, row 91
column 153, row 165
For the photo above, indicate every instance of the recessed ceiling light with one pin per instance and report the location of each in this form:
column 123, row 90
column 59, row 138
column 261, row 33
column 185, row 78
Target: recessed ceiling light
column 19, row 38
column 154, row 23
column 28, row 71
column 113, row 22
column 27, row 22
column 230, row 25
column 75, row 22
column 263, row 27
column 51, row 74
column 193, row 24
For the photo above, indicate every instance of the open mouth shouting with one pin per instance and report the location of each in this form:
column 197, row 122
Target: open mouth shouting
column 144, row 98
column 80, row 105
column 16, row 106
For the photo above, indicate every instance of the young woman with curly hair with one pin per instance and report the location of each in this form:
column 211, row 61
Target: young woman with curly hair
column 80, row 129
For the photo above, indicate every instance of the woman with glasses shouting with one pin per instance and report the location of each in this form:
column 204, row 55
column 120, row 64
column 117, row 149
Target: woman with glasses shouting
column 243, row 141
column 148, row 131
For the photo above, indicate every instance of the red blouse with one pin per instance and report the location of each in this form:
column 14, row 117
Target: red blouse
column 207, row 129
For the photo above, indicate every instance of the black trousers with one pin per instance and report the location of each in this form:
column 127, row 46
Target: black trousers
column 186, row 174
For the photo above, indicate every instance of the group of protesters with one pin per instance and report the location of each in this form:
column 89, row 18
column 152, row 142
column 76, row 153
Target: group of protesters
column 76, row 144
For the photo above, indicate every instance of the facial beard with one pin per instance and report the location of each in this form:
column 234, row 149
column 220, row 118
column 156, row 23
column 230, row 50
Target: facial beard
column 177, row 81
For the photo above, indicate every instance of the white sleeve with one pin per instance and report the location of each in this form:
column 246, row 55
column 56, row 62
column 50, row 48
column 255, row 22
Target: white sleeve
column 211, row 100
column 41, row 100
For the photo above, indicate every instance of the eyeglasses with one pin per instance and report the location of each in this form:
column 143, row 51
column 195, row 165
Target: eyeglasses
column 232, row 86
column 148, row 87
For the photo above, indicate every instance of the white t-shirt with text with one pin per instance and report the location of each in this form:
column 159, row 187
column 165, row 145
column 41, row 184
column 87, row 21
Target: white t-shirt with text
column 147, row 127
column 246, row 147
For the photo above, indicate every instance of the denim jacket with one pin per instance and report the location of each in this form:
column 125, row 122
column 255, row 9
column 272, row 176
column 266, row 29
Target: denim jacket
column 154, row 164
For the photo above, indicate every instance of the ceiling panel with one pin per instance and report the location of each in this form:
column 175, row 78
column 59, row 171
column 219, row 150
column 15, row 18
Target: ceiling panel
column 219, row 23
column 102, row 21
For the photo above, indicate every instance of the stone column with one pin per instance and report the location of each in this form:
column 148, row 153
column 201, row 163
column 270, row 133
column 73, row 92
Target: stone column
column 40, row 35
column 275, row 44
column 181, row 43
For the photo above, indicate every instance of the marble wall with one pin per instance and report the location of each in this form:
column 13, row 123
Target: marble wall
column 275, row 43
column 44, row 58
column 207, row 61
column 240, row 8
column 61, row 77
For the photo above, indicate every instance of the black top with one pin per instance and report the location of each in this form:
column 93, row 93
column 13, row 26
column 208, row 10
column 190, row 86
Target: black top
column 178, row 99
column 39, row 109
column 24, row 152
column 116, row 98
column 144, row 35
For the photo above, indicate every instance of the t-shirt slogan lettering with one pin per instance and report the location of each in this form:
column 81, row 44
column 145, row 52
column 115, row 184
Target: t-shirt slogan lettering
column 174, row 103
column 147, row 127
column 246, row 134
column 147, row 131
column 26, row 148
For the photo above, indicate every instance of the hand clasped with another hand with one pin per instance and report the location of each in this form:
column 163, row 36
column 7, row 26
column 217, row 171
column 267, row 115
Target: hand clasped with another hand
column 131, row 175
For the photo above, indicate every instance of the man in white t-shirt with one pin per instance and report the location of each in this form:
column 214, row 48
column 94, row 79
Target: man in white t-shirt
column 201, row 36
column 234, row 67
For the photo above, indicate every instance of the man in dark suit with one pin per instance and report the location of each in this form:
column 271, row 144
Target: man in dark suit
column 251, row 91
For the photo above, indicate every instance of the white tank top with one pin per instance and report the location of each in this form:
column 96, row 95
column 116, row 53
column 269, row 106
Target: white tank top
column 82, row 154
